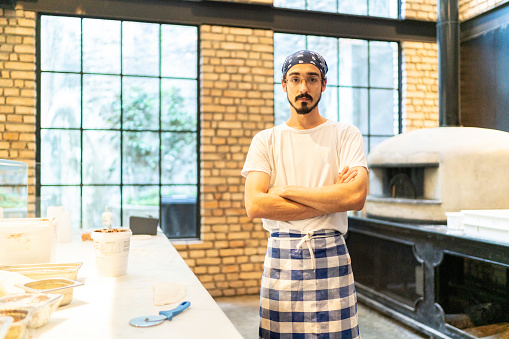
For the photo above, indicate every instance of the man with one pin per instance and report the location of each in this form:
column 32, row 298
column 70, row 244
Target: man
column 301, row 178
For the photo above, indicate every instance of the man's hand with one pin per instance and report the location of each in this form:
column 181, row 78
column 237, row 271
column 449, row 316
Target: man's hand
column 347, row 175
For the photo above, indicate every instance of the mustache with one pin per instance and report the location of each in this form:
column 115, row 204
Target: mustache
column 307, row 96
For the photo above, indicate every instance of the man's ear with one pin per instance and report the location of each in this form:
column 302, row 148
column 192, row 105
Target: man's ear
column 324, row 84
column 283, row 83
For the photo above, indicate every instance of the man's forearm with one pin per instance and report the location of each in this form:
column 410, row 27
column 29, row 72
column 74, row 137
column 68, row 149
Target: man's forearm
column 339, row 197
column 269, row 206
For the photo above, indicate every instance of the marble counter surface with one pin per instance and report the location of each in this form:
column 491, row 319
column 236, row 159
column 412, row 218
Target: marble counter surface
column 103, row 306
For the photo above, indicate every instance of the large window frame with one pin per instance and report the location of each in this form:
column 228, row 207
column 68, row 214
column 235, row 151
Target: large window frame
column 368, row 8
column 163, row 132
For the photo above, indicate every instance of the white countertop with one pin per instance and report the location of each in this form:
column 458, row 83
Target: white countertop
column 103, row 306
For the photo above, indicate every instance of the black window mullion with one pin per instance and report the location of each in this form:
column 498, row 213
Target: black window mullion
column 81, row 125
column 160, row 122
column 121, row 150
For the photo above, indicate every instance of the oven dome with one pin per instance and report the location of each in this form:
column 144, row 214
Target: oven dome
column 450, row 168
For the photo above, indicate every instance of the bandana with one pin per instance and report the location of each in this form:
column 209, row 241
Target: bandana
column 305, row 57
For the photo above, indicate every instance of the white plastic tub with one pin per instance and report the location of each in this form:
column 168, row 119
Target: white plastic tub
column 493, row 224
column 454, row 221
column 26, row 241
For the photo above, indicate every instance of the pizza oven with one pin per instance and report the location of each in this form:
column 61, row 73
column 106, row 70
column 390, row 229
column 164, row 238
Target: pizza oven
column 420, row 175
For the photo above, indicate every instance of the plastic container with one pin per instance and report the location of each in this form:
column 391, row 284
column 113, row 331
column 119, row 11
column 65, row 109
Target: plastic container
column 46, row 270
column 493, row 224
column 111, row 247
column 43, row 306
column 5, row 324
column 455, row 221
column 21, row 319
column 26, row 241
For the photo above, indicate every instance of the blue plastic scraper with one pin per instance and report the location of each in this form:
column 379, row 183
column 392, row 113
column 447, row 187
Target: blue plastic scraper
column 152, row 320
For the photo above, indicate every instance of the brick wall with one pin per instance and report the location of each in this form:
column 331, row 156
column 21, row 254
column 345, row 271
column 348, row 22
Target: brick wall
column 420, row 71
column 17, row 91
column 237, row 101
column 425, row 10
column 420, row 85
column 471, row 8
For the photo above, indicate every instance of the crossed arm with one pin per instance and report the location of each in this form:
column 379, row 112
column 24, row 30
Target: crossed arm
column 288, row 203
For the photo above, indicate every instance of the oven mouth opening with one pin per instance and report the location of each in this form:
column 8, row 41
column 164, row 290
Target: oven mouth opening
column 403, row 181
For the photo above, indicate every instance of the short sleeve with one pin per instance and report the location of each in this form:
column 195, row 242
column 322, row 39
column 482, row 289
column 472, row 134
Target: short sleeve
column 352, row 152
column 257, row 158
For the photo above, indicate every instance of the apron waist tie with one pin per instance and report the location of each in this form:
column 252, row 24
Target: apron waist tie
column 307, row 239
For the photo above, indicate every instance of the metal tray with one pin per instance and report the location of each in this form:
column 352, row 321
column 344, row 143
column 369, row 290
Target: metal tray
column 53, row 286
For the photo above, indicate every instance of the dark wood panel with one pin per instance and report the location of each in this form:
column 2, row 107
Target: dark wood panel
column 485, row 71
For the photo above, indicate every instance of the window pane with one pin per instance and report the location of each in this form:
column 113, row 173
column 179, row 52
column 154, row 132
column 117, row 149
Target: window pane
column 286, row 45
column 140, row 201
column 60, row 44
column 353, row 7
column 60, row 100
column 328, row 105
column 67, row 196
column 383, row 8
column 60, row 154
column 383, row 63
column 179, row 51
column 95, row 200
column 101, row 46
column 322, row 5
column 178, row 211
column 179, row 159
column 101, row 101
column 140, row 98
column 140, row 157
column 101, row 157
column 140, row 48
column 282, row 107
column 328, row 48
column 353, row 60
column 179, row 105
column 354, row 107
column 383, row 108
column 298, row 4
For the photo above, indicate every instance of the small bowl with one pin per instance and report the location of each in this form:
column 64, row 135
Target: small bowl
column 43, row 306
column 53, row 286
column 21, row 318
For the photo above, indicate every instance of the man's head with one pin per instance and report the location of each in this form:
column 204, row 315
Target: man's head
column 304, row 80
column 305, row 57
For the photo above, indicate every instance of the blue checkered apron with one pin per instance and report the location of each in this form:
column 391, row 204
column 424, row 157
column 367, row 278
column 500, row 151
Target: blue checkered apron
column 307, row 288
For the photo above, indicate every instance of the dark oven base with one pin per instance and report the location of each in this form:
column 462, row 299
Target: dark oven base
column 443, row 285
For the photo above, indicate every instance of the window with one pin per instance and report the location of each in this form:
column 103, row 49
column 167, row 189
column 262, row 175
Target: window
column 379, row 8
column 362, row 83
column 119, row 121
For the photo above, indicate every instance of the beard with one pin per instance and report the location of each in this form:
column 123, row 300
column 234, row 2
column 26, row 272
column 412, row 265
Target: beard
column 305, row 109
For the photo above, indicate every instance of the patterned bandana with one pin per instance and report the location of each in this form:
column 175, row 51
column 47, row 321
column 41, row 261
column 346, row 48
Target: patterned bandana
column 305, row 57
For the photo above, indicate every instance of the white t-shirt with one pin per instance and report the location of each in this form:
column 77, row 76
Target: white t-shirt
column 310, row 158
